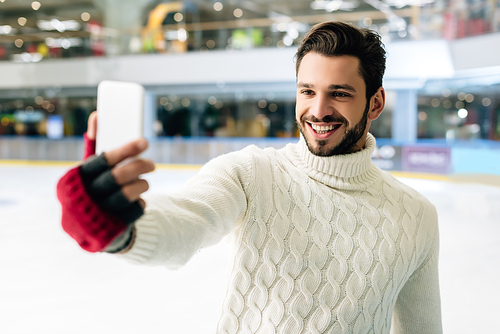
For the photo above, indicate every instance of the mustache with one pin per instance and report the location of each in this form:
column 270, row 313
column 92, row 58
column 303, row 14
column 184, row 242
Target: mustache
column 326, row 119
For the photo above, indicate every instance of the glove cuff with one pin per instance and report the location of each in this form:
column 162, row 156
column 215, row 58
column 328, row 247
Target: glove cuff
column 122, row 241
column 82, row 219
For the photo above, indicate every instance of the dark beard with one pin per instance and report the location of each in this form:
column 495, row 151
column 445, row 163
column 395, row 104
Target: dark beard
column 348, row 142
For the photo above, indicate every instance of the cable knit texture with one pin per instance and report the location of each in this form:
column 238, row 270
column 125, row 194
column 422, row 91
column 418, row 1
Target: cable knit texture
column 321, row 244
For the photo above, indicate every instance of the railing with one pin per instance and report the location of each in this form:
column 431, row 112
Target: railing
column 394, row 20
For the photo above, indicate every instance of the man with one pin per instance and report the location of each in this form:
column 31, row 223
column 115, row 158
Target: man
column 323, row 240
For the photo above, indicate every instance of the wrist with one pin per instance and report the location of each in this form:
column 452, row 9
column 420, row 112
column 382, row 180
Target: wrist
column 131, row 243
column 123, row 242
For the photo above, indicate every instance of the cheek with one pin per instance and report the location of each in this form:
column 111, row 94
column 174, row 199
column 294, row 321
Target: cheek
column 355, row 113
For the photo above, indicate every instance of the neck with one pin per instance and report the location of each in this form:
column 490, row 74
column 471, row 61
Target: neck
column 347, row 171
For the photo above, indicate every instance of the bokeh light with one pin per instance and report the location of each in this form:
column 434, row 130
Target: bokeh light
column 210, row 44
column 18, row 43
column 238, row 12
column 422, row 115
column 22, row 21
column 36, row 5
column 218, row 6
column 178, row 17
column 85, row 16
column 212, row 100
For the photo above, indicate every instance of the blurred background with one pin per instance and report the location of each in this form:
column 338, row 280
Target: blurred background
column 216, row 70
column 220, row 75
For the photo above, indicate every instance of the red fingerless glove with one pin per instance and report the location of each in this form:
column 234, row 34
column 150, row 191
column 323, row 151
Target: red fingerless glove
column 94, row 211
column 82, row 219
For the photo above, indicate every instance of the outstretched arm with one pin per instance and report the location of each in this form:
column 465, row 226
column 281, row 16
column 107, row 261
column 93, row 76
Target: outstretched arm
column 208, row 207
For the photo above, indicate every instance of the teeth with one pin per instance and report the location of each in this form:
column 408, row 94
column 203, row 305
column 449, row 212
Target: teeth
column 324, row 129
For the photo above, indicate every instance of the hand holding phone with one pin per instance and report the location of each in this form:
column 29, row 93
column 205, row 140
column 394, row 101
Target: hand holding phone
column 120, row 125
column 112, row 179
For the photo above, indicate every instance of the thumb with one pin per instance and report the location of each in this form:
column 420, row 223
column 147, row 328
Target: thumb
column 92, row 126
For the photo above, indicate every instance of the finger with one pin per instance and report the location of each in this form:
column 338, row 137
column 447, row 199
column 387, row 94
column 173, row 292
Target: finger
column 142, row 203
column 133, row 191
column 126, row 151
column 131, row 171
column 92, row 126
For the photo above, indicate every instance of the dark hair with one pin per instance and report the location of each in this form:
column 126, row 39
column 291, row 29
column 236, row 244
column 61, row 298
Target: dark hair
column 343, row 39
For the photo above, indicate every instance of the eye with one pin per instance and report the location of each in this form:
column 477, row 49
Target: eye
column 306, row 92
column 340, row 94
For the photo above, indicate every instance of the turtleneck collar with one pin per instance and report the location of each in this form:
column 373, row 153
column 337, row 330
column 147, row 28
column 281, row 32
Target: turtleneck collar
column 348, row 172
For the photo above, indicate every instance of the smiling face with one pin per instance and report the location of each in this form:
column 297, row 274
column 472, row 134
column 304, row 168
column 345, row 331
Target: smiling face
column 332, row 112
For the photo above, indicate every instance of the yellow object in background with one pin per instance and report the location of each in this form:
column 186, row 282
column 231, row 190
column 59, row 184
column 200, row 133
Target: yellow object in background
column 43, row 49
column 153, row 39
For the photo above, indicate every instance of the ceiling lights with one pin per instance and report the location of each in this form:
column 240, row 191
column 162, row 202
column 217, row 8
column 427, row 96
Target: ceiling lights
column 61, row 26
column 331, row 6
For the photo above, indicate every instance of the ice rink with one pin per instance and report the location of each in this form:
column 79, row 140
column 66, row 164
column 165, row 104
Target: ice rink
column 49, row 285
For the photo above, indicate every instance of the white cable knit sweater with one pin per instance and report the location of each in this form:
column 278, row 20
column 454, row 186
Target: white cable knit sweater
column 321, row 244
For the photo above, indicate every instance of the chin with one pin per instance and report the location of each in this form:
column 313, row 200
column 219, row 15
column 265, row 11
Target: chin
column 349, row 143
column 320, row 148
column 323, row 148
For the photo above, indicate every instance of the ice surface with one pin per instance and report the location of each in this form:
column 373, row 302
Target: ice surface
column 49, row 285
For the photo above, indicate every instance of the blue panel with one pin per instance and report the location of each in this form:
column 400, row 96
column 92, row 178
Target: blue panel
column 476, row 161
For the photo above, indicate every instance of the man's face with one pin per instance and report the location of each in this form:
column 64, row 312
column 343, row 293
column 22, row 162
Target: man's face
column 331, row 110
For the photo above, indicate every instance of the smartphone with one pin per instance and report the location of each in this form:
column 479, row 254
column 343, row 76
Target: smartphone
column 120, row 114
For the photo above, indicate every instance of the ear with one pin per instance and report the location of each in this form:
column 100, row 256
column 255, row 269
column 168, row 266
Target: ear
column 377, row 103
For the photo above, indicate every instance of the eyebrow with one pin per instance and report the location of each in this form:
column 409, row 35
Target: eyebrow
column 331, row 87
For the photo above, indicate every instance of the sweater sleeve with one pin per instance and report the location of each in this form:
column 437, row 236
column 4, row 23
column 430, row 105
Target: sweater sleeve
column 418, row 306
column 210, row 206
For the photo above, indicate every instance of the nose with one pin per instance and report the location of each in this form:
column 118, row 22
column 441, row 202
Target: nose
column 321, row 107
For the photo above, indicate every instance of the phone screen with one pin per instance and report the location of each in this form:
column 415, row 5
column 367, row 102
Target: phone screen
column 120, row 114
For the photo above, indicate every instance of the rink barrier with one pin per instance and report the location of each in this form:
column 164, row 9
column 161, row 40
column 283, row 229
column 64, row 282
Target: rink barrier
column 433, row 157
column 162, row 150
